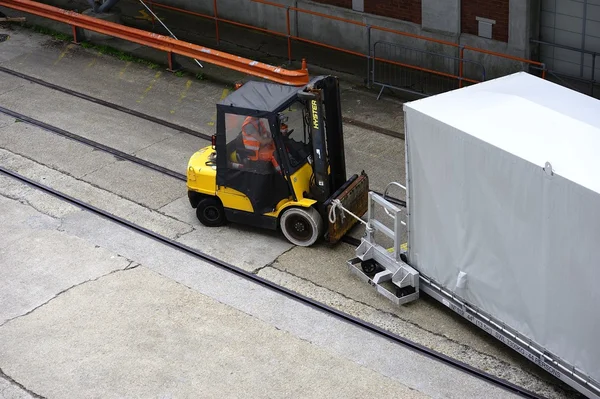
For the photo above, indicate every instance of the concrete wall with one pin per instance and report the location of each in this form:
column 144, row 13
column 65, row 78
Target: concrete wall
column 520, row 30
column 440, row 20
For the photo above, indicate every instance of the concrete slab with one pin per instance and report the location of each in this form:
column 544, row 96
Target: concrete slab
column 43, row 203
column 163, row 224
column 40, row 262
column 125, row 83
column 364, row 107
column 9, row 390
column 128, row 83
column 174, row 152
column 90, row 194
column 424, row 322
column 141, row 309
column 19, row 43
column 181, row 209
column 137, row 183
column 153, row 342
column 110, row 17
column 89, row 120
column 9, row 85
column 381, row 157
column 67, row 156
column 6, row 120
column 242, row 246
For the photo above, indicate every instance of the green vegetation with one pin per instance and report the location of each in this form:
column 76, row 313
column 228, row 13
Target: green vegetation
column 47, row 31
column 107, row 50
column 101, row 48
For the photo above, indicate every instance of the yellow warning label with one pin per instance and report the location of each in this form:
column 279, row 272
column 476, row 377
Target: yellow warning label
column 403, row 247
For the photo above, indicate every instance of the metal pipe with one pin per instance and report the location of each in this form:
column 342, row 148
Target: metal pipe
column 368, row 57
column 216, row 17
column 289, row 39
column 296, row 18
column 583, row 37
column 165, row 26
column 592, row 83
column 461, row 57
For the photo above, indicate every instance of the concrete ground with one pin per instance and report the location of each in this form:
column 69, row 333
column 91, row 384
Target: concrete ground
column 158, row 307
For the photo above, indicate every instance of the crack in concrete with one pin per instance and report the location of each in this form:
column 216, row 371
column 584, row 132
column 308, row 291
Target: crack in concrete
column 68, row 289
column 384, row 312
column 179, row 235
column 131, row 265
column 150, row 145
column 14, row 382
column 25, row 201
column 258, row 269
column 100, row 167
column 80, row 179
column 119, row 196
column 459, row 346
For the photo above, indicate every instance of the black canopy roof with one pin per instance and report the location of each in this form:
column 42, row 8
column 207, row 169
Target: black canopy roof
column 266, row 97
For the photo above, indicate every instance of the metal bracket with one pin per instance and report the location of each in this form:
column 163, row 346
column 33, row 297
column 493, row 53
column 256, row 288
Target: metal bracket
column 377, row 265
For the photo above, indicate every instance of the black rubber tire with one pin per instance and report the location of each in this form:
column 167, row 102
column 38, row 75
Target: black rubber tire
column 210, row 212
column 301, row 226
column 369, row 266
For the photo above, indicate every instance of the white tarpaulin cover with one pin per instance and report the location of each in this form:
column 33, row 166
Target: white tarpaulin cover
column 481, row 203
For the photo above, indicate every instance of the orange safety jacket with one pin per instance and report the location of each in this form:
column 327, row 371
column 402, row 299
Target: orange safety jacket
column 252, row 128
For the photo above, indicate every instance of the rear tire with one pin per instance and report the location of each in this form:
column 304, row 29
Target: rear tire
column 210, row 212
column 301, row 226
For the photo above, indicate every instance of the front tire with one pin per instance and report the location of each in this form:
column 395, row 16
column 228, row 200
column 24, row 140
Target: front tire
column 210, row 212
column 301, row 226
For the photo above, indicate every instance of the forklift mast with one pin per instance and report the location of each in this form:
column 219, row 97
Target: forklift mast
column 325, row 114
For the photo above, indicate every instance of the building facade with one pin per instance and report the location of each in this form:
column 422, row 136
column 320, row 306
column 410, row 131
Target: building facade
column 562, row 34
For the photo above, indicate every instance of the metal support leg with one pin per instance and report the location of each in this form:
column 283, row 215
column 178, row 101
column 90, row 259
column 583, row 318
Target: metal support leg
column 75, row 31
column 381, row 91
column 174, row 66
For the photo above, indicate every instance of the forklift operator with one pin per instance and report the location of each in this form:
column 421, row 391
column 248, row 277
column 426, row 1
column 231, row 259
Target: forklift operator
column 257, row 138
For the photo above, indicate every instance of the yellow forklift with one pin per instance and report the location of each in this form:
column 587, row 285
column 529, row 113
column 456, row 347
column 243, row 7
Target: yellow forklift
column 294, row 185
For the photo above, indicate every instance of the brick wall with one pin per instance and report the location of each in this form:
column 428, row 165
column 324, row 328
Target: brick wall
column 406, row 10
column 338, row 3
column 491, row 9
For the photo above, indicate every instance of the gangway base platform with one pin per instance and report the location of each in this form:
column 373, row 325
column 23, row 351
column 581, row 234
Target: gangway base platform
column 377, row 265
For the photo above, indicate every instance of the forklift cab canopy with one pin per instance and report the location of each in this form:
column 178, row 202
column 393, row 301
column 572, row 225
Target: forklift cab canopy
column 263, row 181
column 255, row 98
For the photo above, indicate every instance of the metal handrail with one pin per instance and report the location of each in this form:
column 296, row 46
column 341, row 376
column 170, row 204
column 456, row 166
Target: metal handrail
column 164, row 43
column 289, row 36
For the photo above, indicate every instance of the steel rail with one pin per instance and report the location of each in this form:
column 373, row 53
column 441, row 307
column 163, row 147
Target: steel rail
column 273, row 73
column 117, row 153
column 105, row 103
column 91, row 143
column 279, row 289
column 120, row 154
column 142, row 162
column 184, row 129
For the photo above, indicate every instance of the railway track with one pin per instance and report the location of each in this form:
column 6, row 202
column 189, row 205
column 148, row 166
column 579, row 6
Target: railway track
column 278, row 288
column 216, row 262
column 163, row 122
column 347, row 239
